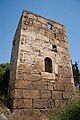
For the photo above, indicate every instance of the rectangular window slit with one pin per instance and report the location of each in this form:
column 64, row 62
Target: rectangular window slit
column 49, row 26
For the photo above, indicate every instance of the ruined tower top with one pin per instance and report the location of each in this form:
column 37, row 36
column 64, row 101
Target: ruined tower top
column 41, row 72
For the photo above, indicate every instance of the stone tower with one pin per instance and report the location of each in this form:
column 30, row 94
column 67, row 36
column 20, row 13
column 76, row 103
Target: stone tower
column 40, row 68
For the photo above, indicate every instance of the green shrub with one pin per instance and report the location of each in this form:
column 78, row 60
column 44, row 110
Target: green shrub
column 4, row 79
column 70, row 112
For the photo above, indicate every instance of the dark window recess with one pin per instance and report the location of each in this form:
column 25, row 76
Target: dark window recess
column 54, row 48
column 25, row 16
column 55, row 35
column 48, row 65
column 13, row 42
column 49, row 26
column 22, row 43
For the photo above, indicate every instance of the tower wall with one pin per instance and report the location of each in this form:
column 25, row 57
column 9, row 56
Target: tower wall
column 41, row 72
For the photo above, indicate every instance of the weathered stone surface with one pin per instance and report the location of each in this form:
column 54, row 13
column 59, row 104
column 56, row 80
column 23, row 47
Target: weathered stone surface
column 23, row 84
column 32, row 16
column 59, row 87
column 40, row 85
column 67, row 72
column 51, row 104
column 32, row 77
column 66, row 95
column 69, row 87
column 42, row 20
column 46, row 75
column 56, row 95
column 45, row 94
column 11, row 94
column 61, row 80
column 50, row 86
column 40, row 67
column 40, row 103
column 58, row 103
column 18, row 93
column 22, row 103
column 56, row 68
column 31, row 94
column 21, row 114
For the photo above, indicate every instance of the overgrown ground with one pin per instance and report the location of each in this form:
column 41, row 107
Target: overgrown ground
column 69, row 111
column 11, row 116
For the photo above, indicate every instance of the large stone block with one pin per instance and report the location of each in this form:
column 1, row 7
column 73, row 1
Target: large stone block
column 69, row 87
column 32, row 77
column 43, row 104
column 66, row 95
column 59, row 87
column 23, row 84
column 45, row 94
column 22, row 103
column 47, row 75
column 61, row 80
column 67, row 80
column 25, row 14
column 18, row 93
column 58, row 103
column 32, row 16
column 40, row 103
column 64, row 72
column 56, row 95
column 40, row 85
column 51, row 104
column 31, row 94
column 21, row 114
column 42, row 20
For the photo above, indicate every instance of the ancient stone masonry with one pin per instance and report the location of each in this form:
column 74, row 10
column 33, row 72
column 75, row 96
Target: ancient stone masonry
column 41, row 72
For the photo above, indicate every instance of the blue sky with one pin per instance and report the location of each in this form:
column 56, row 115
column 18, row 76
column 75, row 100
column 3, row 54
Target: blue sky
column 67, row 12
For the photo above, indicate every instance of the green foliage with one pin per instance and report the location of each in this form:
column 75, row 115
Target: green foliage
column 76, row 73
column 4, row 79
column 70, row 112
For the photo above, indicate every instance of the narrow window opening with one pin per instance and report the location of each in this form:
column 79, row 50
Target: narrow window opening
column 22, row 43
column 55, row 35
column 49, row 26
column 13, row 42
column 48, row 65
column 54, row 48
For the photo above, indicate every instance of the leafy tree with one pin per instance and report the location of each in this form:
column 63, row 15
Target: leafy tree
column 76, row 74
column 4, row 79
